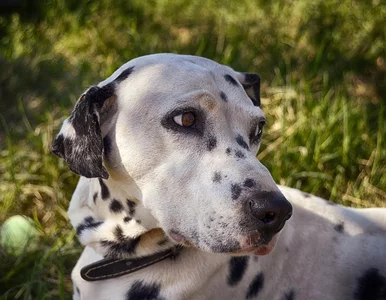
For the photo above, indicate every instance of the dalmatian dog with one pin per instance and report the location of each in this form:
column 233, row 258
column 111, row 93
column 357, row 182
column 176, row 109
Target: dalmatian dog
column 173, row 204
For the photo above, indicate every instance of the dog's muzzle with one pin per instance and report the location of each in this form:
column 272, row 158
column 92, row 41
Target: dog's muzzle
column 266, row 213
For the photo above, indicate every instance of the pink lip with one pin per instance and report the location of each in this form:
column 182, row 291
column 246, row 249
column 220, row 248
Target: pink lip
column 247, row 246
column 265, row 249
column 179, row 238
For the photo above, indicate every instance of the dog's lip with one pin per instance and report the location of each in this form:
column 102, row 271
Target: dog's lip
column 253, row 243
column 266, row 249
column 260, row 247
column 179, row 238
column 176, row 236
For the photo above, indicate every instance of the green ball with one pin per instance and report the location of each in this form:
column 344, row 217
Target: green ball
column 19, row 234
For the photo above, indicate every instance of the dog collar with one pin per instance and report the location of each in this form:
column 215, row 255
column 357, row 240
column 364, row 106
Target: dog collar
column 111, row 268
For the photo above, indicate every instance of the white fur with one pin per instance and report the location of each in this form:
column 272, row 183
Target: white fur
column 67, row 129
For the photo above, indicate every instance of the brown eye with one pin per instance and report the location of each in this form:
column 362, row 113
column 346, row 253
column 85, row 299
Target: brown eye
column 186, row 119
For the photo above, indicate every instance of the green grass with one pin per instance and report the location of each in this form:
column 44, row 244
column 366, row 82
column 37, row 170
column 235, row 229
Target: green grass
column 322, row 65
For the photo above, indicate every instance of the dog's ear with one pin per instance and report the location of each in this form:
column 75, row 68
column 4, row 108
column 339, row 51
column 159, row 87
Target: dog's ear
column 251, row 84
column 80, row 140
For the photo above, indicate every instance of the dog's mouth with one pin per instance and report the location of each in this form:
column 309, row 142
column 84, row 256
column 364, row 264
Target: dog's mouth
column 252, row 243
column 255, row 244
column 179, row 238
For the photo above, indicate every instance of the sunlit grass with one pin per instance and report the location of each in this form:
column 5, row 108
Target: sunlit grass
column 328, row 149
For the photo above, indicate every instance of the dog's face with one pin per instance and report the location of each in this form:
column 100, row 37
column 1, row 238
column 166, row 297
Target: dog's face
column 187, row 131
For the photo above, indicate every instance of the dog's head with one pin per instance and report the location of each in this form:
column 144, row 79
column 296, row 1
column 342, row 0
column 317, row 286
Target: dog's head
column 187, row 131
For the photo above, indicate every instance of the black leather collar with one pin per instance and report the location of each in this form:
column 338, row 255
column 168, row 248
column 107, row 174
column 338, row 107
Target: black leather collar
column 111, row 268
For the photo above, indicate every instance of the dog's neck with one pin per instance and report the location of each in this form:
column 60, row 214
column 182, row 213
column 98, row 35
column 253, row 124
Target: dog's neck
column 127, row 191
column 142, row 225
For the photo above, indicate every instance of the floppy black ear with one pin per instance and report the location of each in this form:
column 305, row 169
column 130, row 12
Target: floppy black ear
column 80, row 140
column 251, row 84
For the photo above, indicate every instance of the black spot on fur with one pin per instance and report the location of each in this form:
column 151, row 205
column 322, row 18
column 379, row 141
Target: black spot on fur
column 237, row 267
column 290, row 295
column 249, row 182
column 217, row 177
column 127, row 219
column 255, row 286
column 95, row 197
column 339, row 227
column 223, row 96
column 236, row 191
column 116, row 206
column 107, row 145
column 306, row 195
column 211, row 143
column 88, row 219
column 77, row 290
column 330, row 202
column 105, row 193
column 144, row 291
column 241, row 142
column 124, row 74
column 88, row 223
column 118, row 232
column 131, row 205
column 239, row 154
column 228, row 151
column 123, row 245
column 371, row 285
column 230, row 79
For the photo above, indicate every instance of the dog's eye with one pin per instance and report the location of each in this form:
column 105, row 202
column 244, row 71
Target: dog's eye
column 186, row 119
column 259, row 130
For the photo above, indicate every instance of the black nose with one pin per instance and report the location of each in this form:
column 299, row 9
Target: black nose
column 270, row 210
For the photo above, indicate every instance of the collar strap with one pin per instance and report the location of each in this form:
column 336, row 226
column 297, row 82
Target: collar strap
column 111, row 268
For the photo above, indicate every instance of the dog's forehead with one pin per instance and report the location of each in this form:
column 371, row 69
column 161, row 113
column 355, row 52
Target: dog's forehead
column 162, row 78
column 171, row 63
column 187, row 72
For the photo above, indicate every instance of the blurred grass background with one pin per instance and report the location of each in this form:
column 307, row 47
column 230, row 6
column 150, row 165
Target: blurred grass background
column 323, row 70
